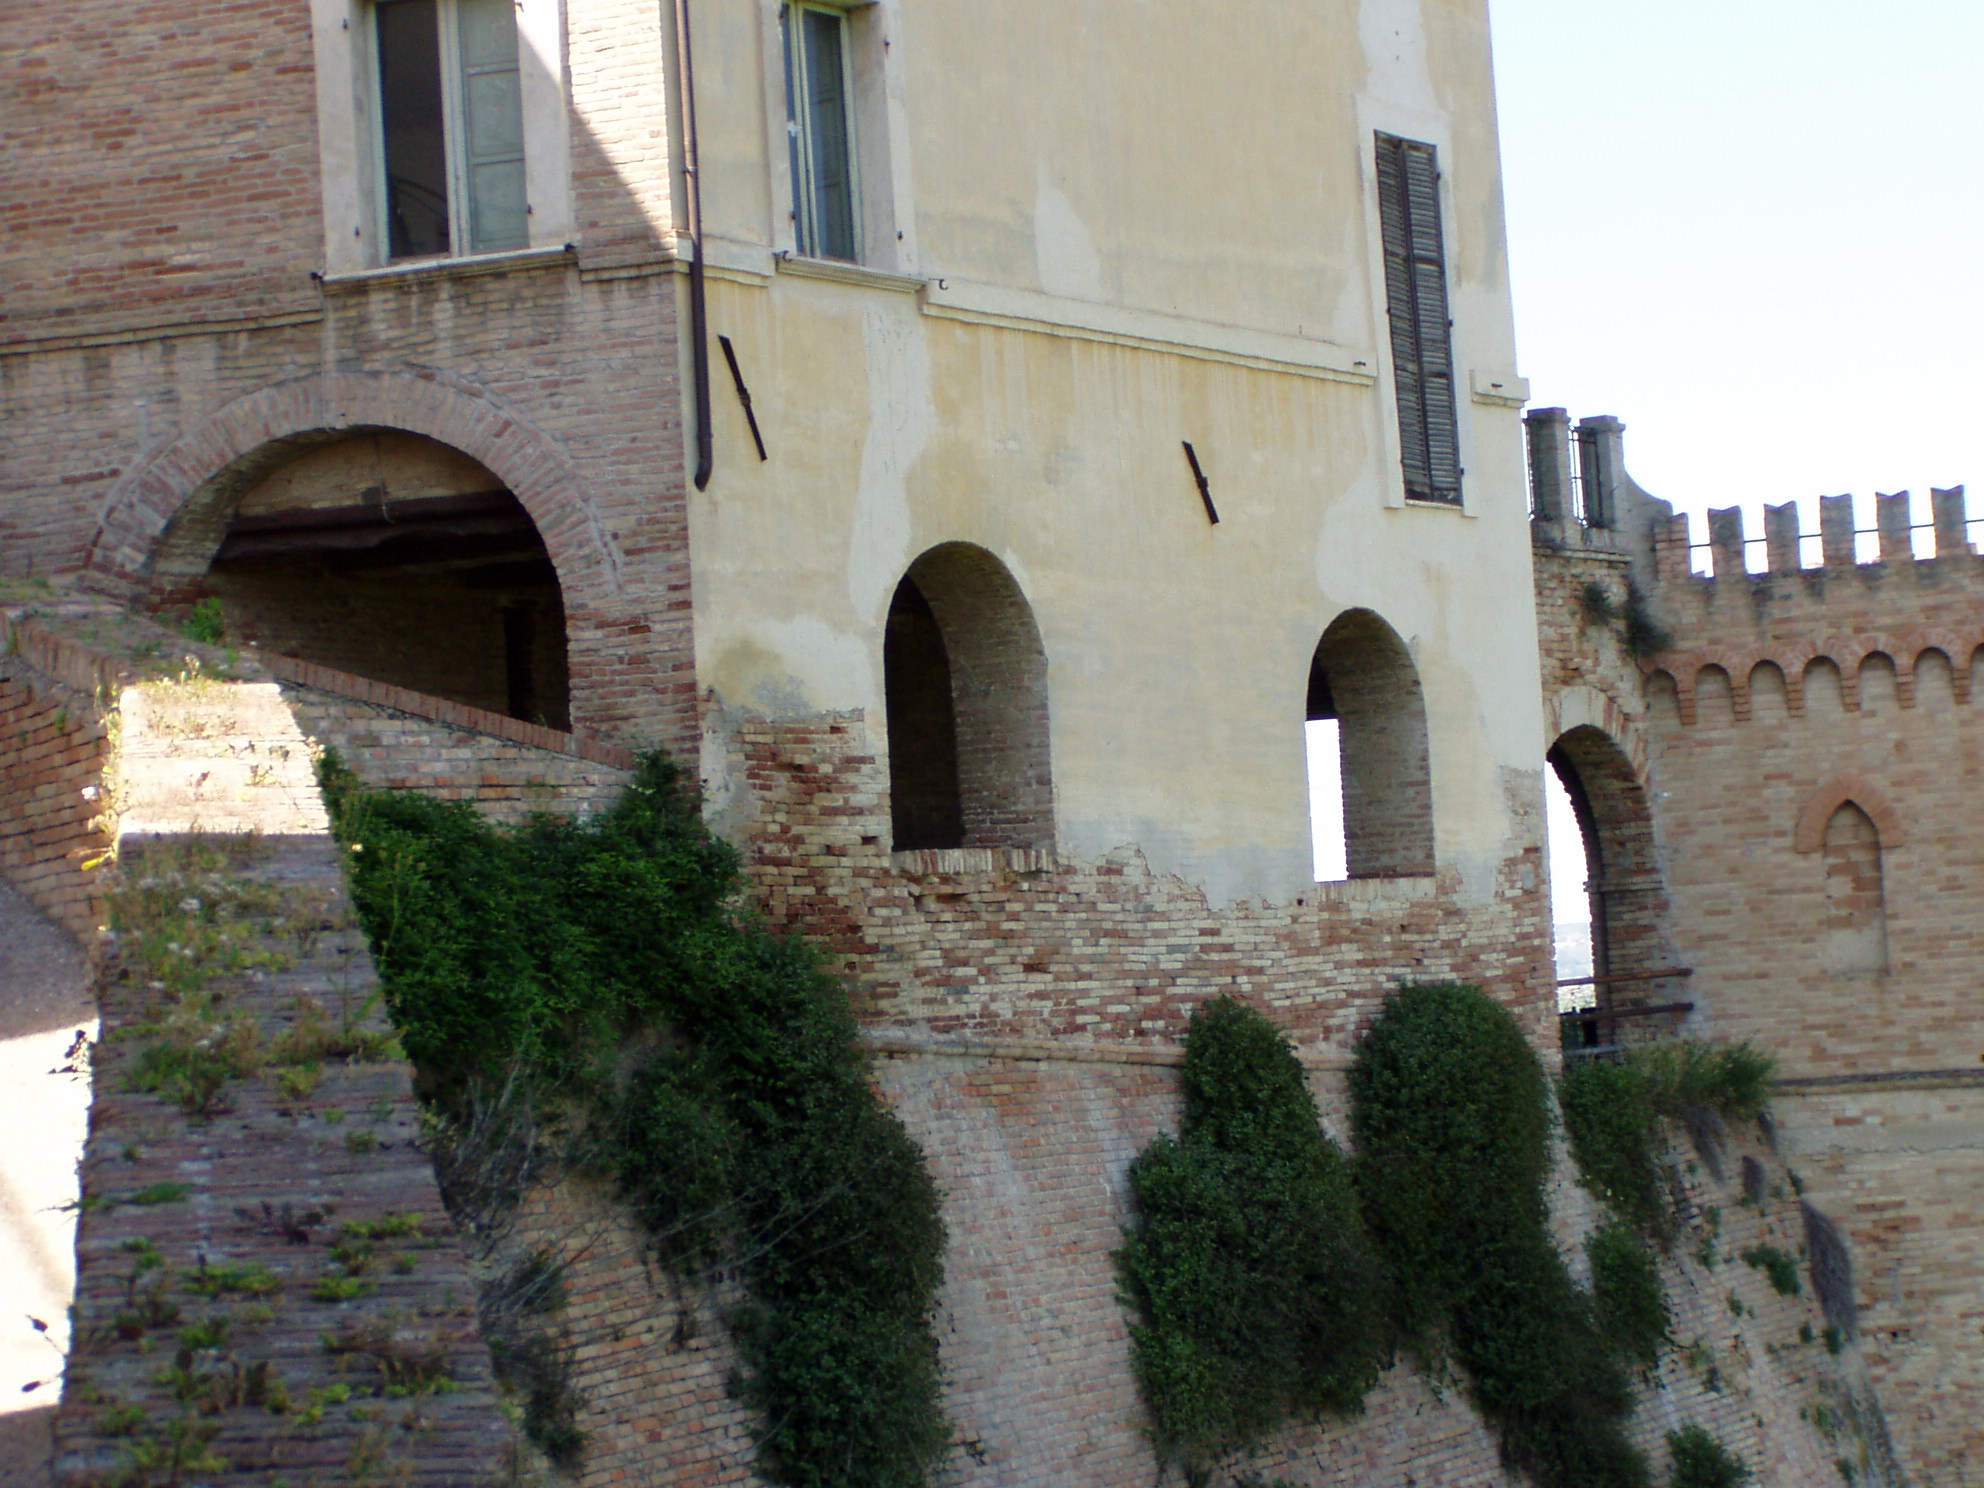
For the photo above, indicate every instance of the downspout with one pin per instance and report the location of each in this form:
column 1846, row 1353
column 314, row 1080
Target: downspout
column 699, row 339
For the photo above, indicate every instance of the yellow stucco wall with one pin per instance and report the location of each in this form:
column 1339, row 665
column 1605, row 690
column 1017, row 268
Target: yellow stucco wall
column 1132, row 225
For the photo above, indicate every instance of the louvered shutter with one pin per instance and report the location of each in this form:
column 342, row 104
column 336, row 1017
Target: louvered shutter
column 1416, row 304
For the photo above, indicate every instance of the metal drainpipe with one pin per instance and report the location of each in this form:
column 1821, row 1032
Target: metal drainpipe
column 699, row 341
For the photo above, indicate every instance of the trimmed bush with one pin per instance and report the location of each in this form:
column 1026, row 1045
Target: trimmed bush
column 1452, row 1120
column 1700, row 1461
column 1256, row 1296
column 603, row 980
column 1616, row 1141
column 1625, row 1284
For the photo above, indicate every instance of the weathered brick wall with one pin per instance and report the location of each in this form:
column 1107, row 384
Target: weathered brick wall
column 54, row 747
column 157, row 164
column 396, row 739
column 1900, row 1169
column 1011, row 942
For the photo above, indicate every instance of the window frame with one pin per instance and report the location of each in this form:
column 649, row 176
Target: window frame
column 794, row 83
column 456, row 164
column 351, row 140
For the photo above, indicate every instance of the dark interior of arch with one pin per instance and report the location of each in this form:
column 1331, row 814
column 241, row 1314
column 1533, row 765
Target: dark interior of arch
column 398, row 558
column 1362, row 675
column 1622, row 883
column 965, row 686
column 923, row 736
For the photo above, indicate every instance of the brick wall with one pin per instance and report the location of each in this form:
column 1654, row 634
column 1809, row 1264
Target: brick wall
column 54, row 748
column 396, row 739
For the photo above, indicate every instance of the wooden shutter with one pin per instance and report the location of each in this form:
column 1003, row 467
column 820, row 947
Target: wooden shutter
column 1416, row 305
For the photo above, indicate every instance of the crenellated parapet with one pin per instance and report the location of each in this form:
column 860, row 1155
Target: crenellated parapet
column 1899, row 623
column 1779, row 616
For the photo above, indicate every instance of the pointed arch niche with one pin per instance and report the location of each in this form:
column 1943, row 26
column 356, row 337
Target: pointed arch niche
column 965, row 688
column 1851, row 825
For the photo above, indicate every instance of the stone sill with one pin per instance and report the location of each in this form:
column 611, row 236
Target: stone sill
column 467, row 266
column 972, row 862
column 1373, row 890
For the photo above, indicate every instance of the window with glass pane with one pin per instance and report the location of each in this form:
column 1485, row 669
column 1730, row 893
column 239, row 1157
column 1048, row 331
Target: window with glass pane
column 818, row 93
column 451, row 126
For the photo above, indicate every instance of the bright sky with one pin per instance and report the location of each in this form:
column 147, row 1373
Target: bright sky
column 1751, row 229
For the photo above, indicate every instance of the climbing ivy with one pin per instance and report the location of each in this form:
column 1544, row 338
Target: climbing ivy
column 1451, row 1115
column 1257, row 1298
column 604, row 979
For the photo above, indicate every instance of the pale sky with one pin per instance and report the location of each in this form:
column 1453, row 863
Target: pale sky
column 1750, row 229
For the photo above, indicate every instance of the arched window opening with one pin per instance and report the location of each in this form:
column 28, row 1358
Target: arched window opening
column 1607, row 898
column 398, row 558
column 1856, row 924
column 1370, row 777
column 965, row 688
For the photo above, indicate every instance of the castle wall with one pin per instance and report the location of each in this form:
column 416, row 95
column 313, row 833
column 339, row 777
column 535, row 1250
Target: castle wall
column 1812, row 777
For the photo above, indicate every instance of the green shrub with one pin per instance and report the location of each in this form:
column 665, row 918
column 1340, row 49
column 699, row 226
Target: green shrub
column 1690, row 1075
column 1700, row 1461
column 1625, row 1284
column 604, row 980
column 1452, row 1120
column 206, row 624
column 1256, row 1295
column 1775, row 1264
column 1616, row 1141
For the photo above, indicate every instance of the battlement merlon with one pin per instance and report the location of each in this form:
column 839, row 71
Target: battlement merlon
column 1583, row 499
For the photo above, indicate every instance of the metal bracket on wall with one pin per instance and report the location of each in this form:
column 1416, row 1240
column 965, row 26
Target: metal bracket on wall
column 743, row 395
column 1205, row 489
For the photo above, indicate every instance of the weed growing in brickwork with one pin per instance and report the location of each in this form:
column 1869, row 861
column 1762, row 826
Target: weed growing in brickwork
column 206, row 624
column 1258, row 1299
column 1700, row 1461
column 1775, row 1264
column 1640, row 633
column 595, row 994
column 185, row 921
column 1452, row 1118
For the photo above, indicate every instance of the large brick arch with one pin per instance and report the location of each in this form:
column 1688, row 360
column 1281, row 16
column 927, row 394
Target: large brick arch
column 163, row 522
column 160, row 517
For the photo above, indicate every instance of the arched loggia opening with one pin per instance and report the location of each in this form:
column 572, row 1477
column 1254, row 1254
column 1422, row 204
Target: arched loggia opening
column 398, row 558
column 1617, row 944
column 965, row 687
column 1370, row 774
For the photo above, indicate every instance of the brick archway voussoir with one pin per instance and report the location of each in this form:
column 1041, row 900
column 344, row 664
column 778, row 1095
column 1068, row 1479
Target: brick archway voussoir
column 143, row 507
column 1810, row 834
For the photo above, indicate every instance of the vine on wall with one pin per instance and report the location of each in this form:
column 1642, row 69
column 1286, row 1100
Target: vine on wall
column 596, row 995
